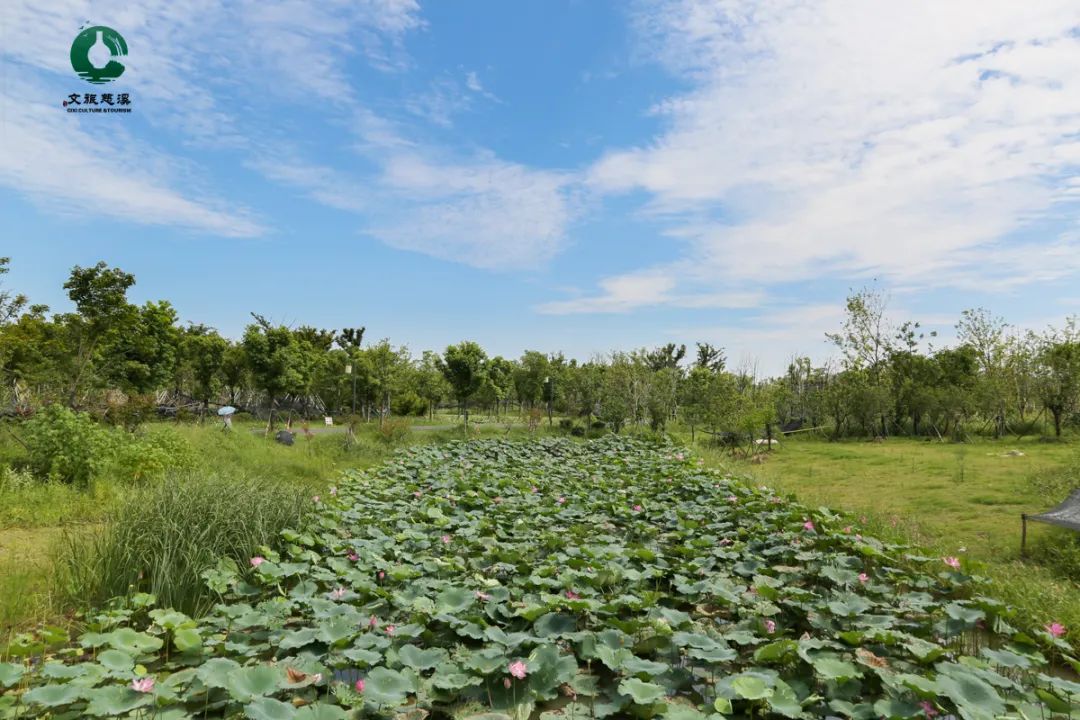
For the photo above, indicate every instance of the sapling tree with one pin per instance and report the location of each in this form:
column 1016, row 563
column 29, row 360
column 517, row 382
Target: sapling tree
column 463, row 366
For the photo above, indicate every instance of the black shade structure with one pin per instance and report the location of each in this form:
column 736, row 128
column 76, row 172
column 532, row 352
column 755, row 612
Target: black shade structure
column 1066, row 515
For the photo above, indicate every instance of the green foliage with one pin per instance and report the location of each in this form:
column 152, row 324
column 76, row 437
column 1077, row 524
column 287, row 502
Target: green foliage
column 162, row 537
column 393, row 431
column 66, row 446
column 150, row 456
column 495, row 579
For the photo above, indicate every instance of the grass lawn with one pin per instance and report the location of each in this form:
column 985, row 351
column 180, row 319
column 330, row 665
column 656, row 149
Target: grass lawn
column 952, row 499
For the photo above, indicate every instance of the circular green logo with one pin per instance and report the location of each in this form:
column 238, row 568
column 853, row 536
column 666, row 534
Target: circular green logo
column 96, row 54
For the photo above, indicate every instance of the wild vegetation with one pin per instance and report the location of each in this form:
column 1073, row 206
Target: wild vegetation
column 553, row 579
column 116, row 482
column 127, row 363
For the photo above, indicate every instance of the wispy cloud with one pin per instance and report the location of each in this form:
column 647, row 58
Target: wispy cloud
column 71, row 170
column 625, row 293
column 908, row 141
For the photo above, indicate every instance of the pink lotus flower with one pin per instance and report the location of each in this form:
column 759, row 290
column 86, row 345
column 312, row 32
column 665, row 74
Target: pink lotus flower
column 1056, row 629
column 638, row 508
column 337, row 593
column 445, row 539
column 928, row 709
column 482, row 596
column 952, row 562
column 864, row 578
column 333, row 491
column 143, row 684
column 858, row 536
column 507, row 682
column 770, row 627
column 497, row 500
column 571, row 595
column 315, row 499
column 732, row 498
column 416, row 493
column 725, row 541
column 535, row 489
column 561, row 500
column 847, row 530
column 518, row 669
column 775, row 500
column 390, row 629
column 373, row 622
column 808, row 525
column 678, row 456
column 354, row 557
column 257, row 561
column 359, row 685
column 381, row 574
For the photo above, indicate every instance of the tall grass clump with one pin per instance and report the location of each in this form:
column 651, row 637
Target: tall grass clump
column 162, row 537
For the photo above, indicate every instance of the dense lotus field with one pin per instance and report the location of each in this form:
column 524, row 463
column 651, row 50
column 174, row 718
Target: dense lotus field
column 555, row 580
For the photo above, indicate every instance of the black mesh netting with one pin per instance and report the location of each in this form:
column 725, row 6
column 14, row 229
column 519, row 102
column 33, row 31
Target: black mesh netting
column 1067, row 514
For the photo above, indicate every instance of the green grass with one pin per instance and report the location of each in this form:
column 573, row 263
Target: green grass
column 36, row 517
column 949, row 499
column 161, row 538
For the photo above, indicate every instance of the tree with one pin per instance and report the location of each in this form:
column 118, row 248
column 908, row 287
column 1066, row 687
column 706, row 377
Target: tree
column 10, row 304
column 204, row 354
column 142, row 358
column 463, row 367
column 278, row 362
column 1058, row 376
column 100, row 297
column 710, row 358
column 431, row 385
column 985, row 334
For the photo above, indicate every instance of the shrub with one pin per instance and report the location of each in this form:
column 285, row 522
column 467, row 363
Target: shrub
column 565, row 423
column 151, row 456
column 408, row 403
column 66, row 446
column 163, row 536
column 393, row 431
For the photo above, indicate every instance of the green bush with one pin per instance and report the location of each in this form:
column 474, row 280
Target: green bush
column 151, row 455
column 393, row 431
column 66, row 446
column 163, row 536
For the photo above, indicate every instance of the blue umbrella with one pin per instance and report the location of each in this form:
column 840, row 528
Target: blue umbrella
column 227, row 410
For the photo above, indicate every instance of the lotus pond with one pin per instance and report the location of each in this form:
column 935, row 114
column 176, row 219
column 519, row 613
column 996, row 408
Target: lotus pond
column 550, row 580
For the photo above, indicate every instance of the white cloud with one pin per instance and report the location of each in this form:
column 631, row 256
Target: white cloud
column 845, row 138
column 625, row 293
column 51, row 158
column 482, row 211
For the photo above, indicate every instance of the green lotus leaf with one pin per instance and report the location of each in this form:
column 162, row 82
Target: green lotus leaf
column 117, row 661
column 643, row 693
column 974, row 698
column 829, row 667
column 187, row 640
column 555, row 625
column 265, row 708
column 53, row 695
column 247, row 683
column 216, row 672
column 12, row 673
column 134, row 643
column 751, row 687
column 386, row 687
column 321, row 711
column 115, row 700
column 454, row 600
column 414, row 657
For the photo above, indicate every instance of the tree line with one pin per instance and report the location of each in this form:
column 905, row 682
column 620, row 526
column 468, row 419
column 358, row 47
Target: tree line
column 890, row 379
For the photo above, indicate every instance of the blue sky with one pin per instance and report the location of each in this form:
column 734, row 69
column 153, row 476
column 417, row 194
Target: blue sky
column 558, row 175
